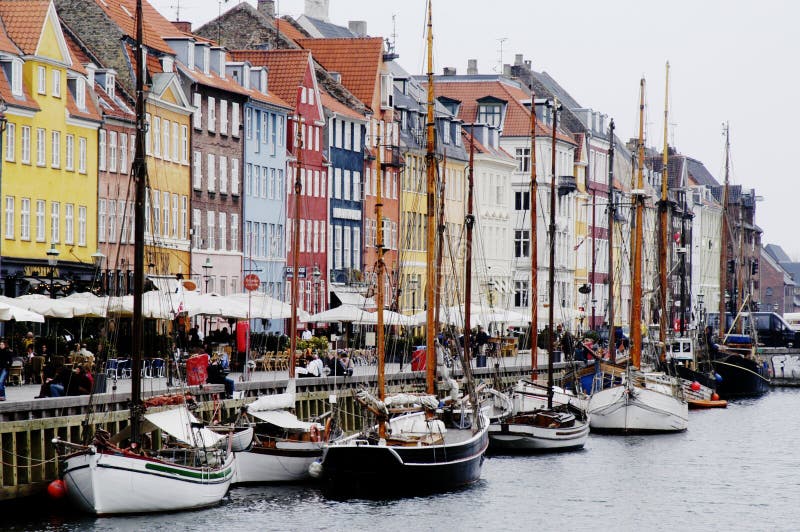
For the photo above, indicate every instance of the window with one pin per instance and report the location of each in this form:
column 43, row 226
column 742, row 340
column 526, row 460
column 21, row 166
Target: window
column 223, row 117
column 26, row 144
column 235, row 177
column 177, row 156
column 112, row 220
column 235, row 120
column 346, row 247
column 274, row 131
column 197, row 235
column 25, row 219
column 10, row 141
column 69, row 152
column 197, row 171
column 489, row 114
column 9, row 232
column 197, row 117
column 303, row 98
column 165, row 135
column 40, row 147
column 387, row 88
column 41, row 80
column 522, row 201
column 248, row 123
column 523, row 156
column 234, row 232
column 223, row 231
column 184, row 145
column 147, row 147
column 69, row 223
column 522, row 243
column 248, row 179
column 184, row 213
column 264, row 180
column 280, row 127
column 123, row 227
column 264, row 127
column 156, row 199
column 211, row 162
column 356, row 247
column 101, row 151
column 174, row 216
column 55, row 222
column 82, row 225
column 57, row 83
column 112, row 151
column 337, row 247
column 520, row 293
column 212, row 114
column 40, row 207
column 223, row 174
column 211, row 229
column 82, row 155
column 165, row 217
column 123, row 153
column 80, row 94
column 157, row 136
column 16, row 77
column 446, row 131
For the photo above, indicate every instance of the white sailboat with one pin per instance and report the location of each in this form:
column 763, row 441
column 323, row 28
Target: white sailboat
column 639, row 402
column 546, row 427
column 125, row 474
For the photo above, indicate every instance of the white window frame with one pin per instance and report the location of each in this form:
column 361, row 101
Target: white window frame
column 25, row 155
column 9, row 218
column 176, row 154
column 197, row 170
column 41, row 146
column 11, row 130
column 25, row 219
column 223, row 231
column 157, row 136
column 184, row 215
column 57, row 83
column 55, row 222
column 235, row 119
column 197, row 116
column 223, row 117
column 55, row 149
column 69, row 223
column 184, row 145
column 82, row 225
column 210, row 231
column 234, row 176
column 234, row 232
column 82, row 155
column 112, row 151
column 211, row 171
column 212, row 114
column 223, row 174
column 165, row 148
column 41, row 80
column 41, row 209
column 123, row 153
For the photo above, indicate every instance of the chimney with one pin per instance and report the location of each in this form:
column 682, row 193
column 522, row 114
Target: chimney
column 528, row 64
column 218, row 60
column 518, row 60
column 358, row 27
column 507, row 70
column 317, row 9
column 266, row 8
column 449, row 71
column 472, row 67
column 183, row 25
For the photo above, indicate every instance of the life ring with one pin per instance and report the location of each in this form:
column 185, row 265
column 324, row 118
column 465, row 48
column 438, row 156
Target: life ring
column 314, row 433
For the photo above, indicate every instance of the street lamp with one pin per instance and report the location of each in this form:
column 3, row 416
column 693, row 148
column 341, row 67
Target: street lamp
column 317, row 275
column 413, row 284
column 207, row 267
column 52, row 261
column 97, row 260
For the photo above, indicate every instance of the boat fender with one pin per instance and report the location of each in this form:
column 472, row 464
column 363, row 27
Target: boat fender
column 314, row 433
column 717, row 377
column 714, row 396
column 315, row 469
column 695, row 386
column 57, row 489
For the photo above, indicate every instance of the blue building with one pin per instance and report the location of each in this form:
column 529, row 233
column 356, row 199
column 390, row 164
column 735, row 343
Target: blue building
column 264, row 205
column 345, row 145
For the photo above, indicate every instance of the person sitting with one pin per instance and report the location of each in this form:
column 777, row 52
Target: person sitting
column 80, row 382
column 28, row 363
column 48, row 375
column 218, row 375
column 60, row 383
column 345, row 365
column 315, row 366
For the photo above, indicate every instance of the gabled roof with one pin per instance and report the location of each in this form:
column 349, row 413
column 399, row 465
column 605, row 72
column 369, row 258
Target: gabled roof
column 332, row 104
column 24, row 100
column 287, row 68
column 358, row 60
column 328, row 30
column 777, row 253
column 289, row 30
column 700, row 174
column 6, row 44
column 24, row 21
column 154, row 26
column 517, row 122
column 484, row 149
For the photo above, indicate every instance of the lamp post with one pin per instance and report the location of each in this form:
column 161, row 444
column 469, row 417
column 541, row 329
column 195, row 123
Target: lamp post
column 207, row 267
column 413, row 284
column 52, row 261
column 3, row 124
column 317, row 275
column 97, row 260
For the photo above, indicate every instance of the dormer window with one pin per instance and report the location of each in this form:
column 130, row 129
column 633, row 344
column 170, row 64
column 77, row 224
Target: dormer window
column 190, row 55
column 458, row 134
column 16, row 77
column 446, row 131
column 80, row 94
column 246, row 77
column 109, row 84
column 206, row 59
column 263, row 75
column 490, row 114
column 387, row 89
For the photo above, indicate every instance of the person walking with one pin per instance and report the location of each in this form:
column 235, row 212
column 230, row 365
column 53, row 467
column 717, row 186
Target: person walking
column 6, row 358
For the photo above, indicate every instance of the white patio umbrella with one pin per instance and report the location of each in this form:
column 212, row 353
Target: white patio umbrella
column 262, row 306
column 213, row 305
column 10, row 312
column 85, row 305
column 344, row 313
column 44, row 305
column 155, row 305
column 393, row 318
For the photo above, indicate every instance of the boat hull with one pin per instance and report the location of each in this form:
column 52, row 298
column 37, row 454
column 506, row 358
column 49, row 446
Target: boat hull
column 287, row 462
column 741, row 377
column 356, row 467
column 104, row 484
column 631, row 410
column 523, row 438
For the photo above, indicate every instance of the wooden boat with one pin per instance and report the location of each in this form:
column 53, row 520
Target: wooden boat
column 546, row 427
column 703, row 404
column 419, row 443
column 125, row 474
column 639, row 402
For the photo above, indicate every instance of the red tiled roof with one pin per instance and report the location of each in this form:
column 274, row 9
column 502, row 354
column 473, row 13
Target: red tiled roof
column 111, row 106
column 287, row 68
column 90, row 113
column 154, row 27
column 332, row 104
column 25, row 100
column 358, row 60
column 481, row 148
column 6, row 44
column 24, row 21
column 288, row 30
column 79, row 58
column 518, row 117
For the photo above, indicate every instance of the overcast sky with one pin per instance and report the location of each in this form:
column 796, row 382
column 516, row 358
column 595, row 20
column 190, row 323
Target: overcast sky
column 734, row 60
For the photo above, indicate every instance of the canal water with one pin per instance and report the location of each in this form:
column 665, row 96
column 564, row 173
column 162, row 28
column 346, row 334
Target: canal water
column 734, row 469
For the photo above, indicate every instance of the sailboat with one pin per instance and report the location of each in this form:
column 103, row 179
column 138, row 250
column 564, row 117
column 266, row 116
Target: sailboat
column 122, row 474
column 637, row 401
column 547, row 428
column 419, row 443
column 734, row 359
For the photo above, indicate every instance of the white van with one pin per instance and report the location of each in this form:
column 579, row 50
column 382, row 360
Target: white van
column 793, row 319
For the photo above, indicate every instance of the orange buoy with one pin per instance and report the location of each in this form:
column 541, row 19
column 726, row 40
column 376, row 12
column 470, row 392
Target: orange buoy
column 695, row 386
column 57, row 489
column 714, row 396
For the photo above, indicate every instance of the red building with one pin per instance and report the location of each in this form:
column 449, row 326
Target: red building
column 292, row 78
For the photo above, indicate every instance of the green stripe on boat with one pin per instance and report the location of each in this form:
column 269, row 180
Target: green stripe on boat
column 186, row 473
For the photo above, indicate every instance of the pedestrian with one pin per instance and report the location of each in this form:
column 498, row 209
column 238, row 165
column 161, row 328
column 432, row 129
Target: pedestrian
column 6, row 358
column 218, row 375
column 315, row 367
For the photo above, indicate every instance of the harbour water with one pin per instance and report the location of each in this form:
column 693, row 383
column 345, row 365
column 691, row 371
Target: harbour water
column 734, row 469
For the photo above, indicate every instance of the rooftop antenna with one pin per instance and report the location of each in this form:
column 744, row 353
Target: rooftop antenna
column 501, row 40
column 177, row 7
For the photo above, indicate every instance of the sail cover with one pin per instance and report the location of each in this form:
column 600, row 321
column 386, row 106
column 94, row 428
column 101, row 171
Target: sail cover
column 283, row 419
column 177, row 422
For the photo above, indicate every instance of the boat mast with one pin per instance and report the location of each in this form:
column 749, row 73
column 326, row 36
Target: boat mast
column 611, row 215
column 298, row 188
column 740, row 270
column 140, row 179
column 636, row 284
column 723, row 239
column 551, row 280
column 469, row 222
column 663, row 208
column 379, row 280
column 533, row 300
column 440, row 241
column 430, row 161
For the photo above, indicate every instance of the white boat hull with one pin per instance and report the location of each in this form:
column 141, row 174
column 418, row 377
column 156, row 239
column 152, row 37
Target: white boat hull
column 528, row 438
column 288, row 462
column 631, row 409
column 104, row 484
column 527, row 398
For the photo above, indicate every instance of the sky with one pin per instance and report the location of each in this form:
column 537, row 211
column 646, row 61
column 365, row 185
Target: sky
column 730, row 60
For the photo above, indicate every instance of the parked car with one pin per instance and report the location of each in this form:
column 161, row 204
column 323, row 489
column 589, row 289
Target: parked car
column 770, row 328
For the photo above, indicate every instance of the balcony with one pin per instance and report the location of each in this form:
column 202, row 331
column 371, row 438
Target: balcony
column 566, row 185
column 391, row 158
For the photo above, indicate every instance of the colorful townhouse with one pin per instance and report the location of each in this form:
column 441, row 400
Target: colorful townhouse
column 49, row 156
column 293, row 80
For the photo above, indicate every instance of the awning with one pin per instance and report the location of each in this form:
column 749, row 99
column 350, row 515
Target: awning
column 349, row 295
column 178, row 422
column 283, row 419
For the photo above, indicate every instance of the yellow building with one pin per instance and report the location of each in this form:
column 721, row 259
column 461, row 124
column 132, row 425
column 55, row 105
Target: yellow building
column 49, row 166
